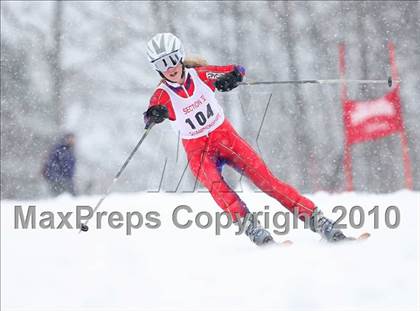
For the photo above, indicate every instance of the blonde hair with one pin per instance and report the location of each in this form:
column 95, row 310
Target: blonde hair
column 195, row 61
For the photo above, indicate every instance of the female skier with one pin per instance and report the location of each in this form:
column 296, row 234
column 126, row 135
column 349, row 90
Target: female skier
column 186, row 97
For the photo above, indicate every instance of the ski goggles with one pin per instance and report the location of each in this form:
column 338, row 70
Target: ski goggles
column 167, row 61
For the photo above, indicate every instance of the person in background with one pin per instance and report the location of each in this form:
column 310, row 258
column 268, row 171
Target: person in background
column 58, row 169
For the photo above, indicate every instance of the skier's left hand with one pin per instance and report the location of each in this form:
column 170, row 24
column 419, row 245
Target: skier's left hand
column 230, row 80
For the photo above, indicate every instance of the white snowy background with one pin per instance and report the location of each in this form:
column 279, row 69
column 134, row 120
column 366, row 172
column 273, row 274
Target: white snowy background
column 193, row 269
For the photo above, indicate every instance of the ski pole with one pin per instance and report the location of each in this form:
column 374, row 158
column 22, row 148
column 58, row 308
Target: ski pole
column 389, row 81
column 84, row 226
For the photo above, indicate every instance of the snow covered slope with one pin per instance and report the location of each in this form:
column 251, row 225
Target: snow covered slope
column 193, row 269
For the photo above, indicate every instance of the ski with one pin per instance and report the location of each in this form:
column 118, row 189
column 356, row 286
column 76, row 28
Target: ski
column 288, row 243
column 285, row 243
column 362, row 237
column 276, row 244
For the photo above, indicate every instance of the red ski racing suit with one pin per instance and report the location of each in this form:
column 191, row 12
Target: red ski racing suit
column 210, row 142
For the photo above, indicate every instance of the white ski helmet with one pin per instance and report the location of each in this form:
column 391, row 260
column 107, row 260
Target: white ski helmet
column 164, row 51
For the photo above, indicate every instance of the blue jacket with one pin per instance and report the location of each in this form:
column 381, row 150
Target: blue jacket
column 61, row 163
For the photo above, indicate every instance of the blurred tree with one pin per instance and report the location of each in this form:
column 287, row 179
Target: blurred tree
column 303, row 151
column 54, row 59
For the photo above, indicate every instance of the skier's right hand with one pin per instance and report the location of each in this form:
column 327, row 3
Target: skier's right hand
column 155, row 114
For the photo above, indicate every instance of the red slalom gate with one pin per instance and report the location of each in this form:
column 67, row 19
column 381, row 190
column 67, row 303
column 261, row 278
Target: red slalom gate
column 373, row 119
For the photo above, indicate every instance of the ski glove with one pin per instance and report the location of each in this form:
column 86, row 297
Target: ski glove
column 230, row 80
column 155, row 114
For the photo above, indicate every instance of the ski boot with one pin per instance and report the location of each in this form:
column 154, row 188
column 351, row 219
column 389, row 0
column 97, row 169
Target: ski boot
column 256, row 232
column 325, row 227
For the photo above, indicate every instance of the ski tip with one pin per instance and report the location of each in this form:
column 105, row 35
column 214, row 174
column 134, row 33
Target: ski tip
column 364, row 236
column 285, row 243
